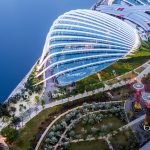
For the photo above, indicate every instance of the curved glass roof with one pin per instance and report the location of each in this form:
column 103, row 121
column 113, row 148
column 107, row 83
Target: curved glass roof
column 83, row 42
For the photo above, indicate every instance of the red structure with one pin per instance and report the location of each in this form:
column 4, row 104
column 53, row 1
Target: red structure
column 138, row 88
column 146, row 98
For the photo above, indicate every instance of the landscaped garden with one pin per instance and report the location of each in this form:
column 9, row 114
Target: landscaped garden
column 38, row 124
column 35, row 127
column 97, row 124
column 18, row 104
column 108, row 75
column 94, row 123
column 133, row 61
column 87, row 123
column 28, row 89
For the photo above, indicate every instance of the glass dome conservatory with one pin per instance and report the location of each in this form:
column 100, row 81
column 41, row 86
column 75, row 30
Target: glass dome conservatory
column 83, row 42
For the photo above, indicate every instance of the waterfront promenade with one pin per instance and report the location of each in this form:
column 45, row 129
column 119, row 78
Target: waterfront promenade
column 28, row 114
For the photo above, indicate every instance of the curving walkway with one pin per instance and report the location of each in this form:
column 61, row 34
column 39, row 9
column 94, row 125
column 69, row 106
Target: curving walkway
column 105, row 137
column 86, row 94
column 63, row 114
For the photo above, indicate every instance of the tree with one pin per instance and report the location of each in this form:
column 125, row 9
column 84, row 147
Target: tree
column 83, row 131
column 94, row 130
column 91, row 121
column 6, row 119
column 72, row 133
column 66, row 145
column 12, row 109
column 15, row 121
column 43, row 104
column 36, row 99
column 53, row 140
column 11, row 134
column 49, row 94
column 4, row 111
column 21, row 107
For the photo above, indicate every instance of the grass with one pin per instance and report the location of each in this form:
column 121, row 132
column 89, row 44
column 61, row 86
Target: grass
column 31, row 128
column 120, row 67
column 114, row 121
column 110, row 82
column 127, row 76
column 126, row 65
column 139, row 70
column 89, row 145
column 124, row 139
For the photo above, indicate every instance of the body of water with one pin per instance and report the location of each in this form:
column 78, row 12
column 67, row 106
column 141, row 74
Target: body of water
column 23, row 28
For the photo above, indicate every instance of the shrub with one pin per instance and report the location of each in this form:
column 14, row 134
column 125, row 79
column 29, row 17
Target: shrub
column 11, row 134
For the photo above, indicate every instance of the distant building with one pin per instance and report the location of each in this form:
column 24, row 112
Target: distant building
column 122, row 2
column 136, row 16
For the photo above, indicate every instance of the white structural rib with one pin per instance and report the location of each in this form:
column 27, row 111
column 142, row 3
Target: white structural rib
column 81, row 29
column 75, row 68
column 75, row 59
column 77, row 51
column 79, row 35
column 93, row 22
column 98, row 21
column 90, row 39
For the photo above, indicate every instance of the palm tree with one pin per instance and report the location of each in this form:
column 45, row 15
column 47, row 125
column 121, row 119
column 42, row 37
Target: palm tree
column 6, row 119
column 43, row 104
column 4, row 110
column 36, row 99
column 15, row 121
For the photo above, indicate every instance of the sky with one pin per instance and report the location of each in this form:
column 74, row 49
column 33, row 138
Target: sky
column 24, row 25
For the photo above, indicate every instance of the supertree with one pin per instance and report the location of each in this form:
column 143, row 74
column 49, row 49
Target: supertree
column 146, row 98
column 138, row 88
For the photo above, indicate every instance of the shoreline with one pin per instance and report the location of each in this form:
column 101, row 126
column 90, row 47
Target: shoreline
column 20, row 85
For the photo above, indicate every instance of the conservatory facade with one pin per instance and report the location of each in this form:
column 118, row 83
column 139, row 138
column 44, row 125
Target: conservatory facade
column 83, row 42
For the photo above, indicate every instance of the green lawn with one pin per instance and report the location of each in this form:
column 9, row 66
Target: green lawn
column 124, row 140
column 126, row 65
column 120, row 67
column 92, row 145
column 111, row 82
column 114, row 121
column 127, row 76
column 31, row 128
